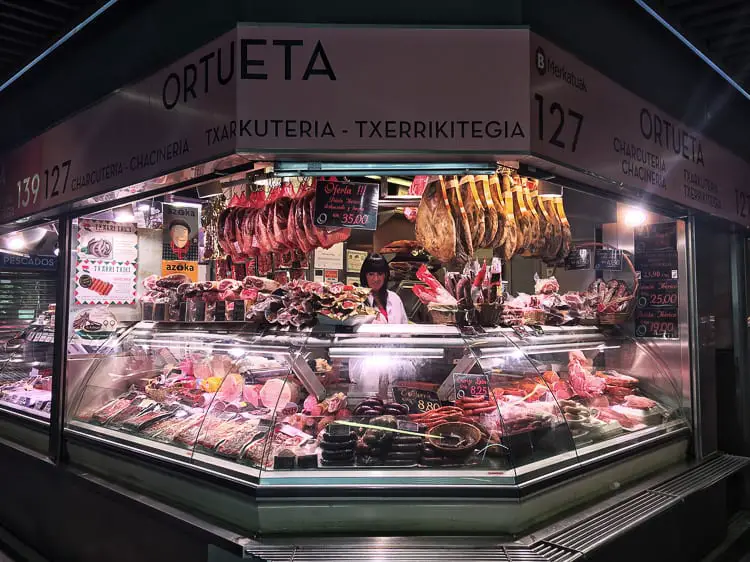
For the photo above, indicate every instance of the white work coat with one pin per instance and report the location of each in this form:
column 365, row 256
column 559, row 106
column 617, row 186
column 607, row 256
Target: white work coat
column 375, row 374
column 394, row 307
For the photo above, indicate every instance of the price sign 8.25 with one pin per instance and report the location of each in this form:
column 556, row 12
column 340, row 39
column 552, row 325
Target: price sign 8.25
column 562, row 122
column 55, row 183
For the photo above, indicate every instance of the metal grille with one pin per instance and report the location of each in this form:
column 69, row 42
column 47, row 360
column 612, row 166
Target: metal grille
column 607, row 524
column 703, row 476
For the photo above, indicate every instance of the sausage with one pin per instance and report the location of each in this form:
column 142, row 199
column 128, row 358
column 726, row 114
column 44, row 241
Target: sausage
column 470, row 399
column 484, row 410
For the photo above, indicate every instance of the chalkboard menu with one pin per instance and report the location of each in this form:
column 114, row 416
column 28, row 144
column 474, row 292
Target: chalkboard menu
column 578, row 258
column 416, row 400
column 655, row 262
column 348, row 204
column 607, row 259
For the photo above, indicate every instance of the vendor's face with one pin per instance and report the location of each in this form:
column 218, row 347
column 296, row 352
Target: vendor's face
column 375, row 280
column 180, row 236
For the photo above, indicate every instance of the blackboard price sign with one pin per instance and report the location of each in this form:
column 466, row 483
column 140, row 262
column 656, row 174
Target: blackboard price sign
column 658, row 294
column 347, row 204
column 418, row 401
column 657, row 323
column 578, row 258
column 657, row 237
column 656, row 260
column 472, row 386
column 607, row 259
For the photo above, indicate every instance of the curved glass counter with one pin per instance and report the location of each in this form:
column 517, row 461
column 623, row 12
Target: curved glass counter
column 378, row 405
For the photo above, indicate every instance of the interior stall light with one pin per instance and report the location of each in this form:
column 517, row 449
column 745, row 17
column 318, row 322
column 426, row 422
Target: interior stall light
column 286, row 169
column 16, row 243
column 144, row 207
column 394, row 181
column 56, row 251
column 634, row 217
column 124, row 215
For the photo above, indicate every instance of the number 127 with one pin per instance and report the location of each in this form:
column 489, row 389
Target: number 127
column 555, row 109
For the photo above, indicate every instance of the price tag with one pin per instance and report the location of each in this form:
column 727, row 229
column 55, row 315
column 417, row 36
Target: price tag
column 347, row 204
column 578, row 258
column 657, row 323
column 656, row 262
column 416, row 400
column 474, row 386
column 657, row 294
column 607, row 259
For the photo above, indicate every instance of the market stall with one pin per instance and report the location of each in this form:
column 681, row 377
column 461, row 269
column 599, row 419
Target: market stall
column 437, row 310
column 250, row 362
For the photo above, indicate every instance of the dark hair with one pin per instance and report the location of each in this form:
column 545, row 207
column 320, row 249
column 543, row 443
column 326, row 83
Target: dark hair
column 375, row 263
column 180, row 222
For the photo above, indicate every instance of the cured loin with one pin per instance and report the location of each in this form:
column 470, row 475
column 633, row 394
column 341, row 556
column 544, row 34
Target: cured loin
column 436, row 229
column 490, row 211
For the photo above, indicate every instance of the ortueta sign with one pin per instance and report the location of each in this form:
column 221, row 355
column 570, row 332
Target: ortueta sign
column 271, row 91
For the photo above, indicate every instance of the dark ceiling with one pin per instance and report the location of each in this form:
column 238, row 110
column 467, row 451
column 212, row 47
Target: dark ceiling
column 28, row 27
column 719, row 28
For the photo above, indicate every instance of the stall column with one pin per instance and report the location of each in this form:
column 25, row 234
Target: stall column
column 57, row 415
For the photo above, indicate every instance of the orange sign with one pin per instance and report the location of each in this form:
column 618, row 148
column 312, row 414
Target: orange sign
column 188, row 268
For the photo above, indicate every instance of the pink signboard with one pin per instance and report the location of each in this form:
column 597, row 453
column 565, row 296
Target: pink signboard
column 385, row 89
column 443, row 94
column 127, row 138
column 585, row 121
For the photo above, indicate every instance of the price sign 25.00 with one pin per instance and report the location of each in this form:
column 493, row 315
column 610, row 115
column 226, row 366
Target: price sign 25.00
column 558, row 126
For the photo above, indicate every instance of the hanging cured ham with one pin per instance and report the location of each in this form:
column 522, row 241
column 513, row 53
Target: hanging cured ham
column 283, row 225
column 436, row 229
column 474, row 211
column 491, row 221
column 464, row 245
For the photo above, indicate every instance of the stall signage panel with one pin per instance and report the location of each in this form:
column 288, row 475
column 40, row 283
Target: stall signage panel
column 140, row 132
column 107, row 240
column 655, row 261
column 180, row 240
column 587, row 122
column 342, row 88
column 349, row 204
column 30, row 263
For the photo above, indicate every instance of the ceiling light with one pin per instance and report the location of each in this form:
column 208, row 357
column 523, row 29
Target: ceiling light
column 634, row 217
column 56, row 251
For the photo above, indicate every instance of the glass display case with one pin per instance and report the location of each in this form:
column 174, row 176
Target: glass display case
column 378, row 404
column 26, row 368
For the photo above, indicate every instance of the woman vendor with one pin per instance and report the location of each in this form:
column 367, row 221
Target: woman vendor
column 375, row 274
